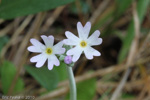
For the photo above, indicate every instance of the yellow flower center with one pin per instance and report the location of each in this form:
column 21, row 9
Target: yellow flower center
column 83, row 44
column 49, row 51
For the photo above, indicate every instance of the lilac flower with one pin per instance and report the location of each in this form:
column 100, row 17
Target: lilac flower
column 83, row 43
column 46, row 51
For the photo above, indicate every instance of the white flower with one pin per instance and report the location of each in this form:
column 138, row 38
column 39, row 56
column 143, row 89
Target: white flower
column 83, row 43
column 46, row 51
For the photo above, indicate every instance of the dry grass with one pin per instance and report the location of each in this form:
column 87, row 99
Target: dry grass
column 135, row 82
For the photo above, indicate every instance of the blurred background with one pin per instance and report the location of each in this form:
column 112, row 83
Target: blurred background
column 122, row 72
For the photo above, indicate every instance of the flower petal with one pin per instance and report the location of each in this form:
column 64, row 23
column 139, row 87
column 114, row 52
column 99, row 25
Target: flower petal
column 37, row 44
column 40, row 59
column 90, row 52
column 35, row 49
column 48, row 40
column 71, row 36
column 53, row 60
column 94, row 40
column 70, row 42
column 58, row 48
column 83, row 31
column 87, row 29
column 80, row 31
column 76, row 52
column 50, row 65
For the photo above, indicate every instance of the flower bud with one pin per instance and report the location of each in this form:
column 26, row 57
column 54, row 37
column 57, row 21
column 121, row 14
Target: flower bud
column 61, row 57
column 68, row 60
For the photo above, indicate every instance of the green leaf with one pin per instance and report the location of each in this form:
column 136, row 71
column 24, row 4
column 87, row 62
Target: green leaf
column 61, row 71
column 3, row 41
column 122, row 5
column 85, row 90
column 84, row 7
column 8, row 72
column 19, row 85
column 127, row 96
column 47, row 78
column 141, row 9
column 10, row 9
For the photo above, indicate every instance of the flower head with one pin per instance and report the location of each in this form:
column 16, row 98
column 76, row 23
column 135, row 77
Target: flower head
column 47, row 51
column 83, row 43
column 68, row 60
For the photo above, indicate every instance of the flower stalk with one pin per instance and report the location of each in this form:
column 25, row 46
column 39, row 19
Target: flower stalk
column 72, row 84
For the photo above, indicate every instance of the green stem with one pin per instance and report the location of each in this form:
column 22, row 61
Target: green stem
column 73, row 93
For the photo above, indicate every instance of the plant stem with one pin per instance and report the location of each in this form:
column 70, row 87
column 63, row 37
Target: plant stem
column 73, row 93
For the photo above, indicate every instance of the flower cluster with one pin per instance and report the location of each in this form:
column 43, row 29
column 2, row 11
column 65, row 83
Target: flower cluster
column 81, row 44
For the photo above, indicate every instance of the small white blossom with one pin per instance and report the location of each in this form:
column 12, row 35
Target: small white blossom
column 46, row 51
column 83, row 43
